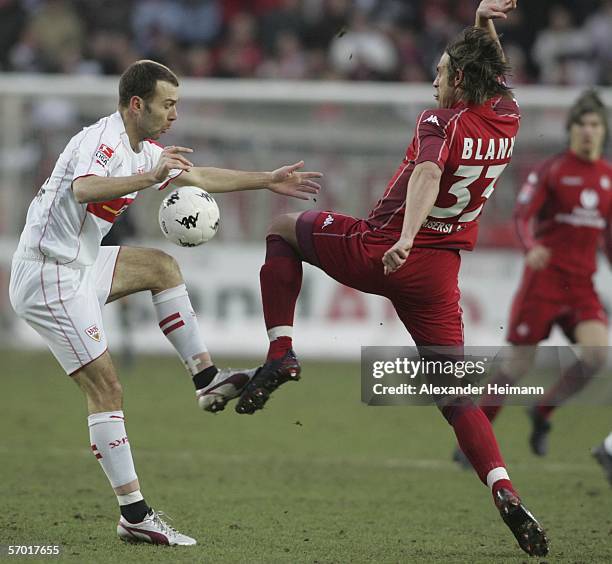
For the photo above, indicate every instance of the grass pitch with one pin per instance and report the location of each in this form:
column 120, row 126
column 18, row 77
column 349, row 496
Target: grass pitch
column 315, row 477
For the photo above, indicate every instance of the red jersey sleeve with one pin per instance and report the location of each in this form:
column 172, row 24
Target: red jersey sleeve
column 431, row 139
column 531, row 198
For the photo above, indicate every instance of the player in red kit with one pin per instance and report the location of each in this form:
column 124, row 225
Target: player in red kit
column 563, row 209
column 408, row 249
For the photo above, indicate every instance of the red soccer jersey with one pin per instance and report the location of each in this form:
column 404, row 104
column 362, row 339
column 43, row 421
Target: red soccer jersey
column 472, row 145
column 565, row 205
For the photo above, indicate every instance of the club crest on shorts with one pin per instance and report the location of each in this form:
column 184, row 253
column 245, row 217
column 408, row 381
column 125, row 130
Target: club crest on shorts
column 94, row 333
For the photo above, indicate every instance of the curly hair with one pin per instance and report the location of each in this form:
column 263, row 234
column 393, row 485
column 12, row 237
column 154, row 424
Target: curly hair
column 588, row 102
column 478, row 56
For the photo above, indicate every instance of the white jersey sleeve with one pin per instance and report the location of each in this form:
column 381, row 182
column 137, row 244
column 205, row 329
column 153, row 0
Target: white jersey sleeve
column 96, row 153
column 154, row 151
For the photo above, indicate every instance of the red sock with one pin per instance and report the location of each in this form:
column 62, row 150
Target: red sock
column 573, row 380
column 491, row 404
column 506, row 484
column 281, row 280
column 476, row 439
column 279, row 347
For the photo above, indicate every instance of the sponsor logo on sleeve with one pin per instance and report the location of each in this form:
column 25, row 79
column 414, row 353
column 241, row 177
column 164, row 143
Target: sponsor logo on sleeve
column 104, row 154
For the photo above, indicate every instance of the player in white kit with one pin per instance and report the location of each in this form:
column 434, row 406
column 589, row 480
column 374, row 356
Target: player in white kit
column 61, row 276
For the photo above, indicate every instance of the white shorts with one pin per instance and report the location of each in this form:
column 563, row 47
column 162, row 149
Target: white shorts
column 64, row 304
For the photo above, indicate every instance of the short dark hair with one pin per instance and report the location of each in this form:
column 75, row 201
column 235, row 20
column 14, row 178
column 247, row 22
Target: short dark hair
column 588, row 102
column 478, row 56
column 140, row 79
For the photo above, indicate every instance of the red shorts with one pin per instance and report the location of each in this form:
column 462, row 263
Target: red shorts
column 549, row 296
column 424, row 292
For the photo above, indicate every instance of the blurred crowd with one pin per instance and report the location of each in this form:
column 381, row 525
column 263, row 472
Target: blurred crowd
column 560, row 42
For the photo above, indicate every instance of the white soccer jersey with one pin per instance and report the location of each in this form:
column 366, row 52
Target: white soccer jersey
column 62, row 229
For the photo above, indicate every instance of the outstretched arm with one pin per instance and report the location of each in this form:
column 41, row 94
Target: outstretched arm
column 95, row 188
column 488, row 10
column 285, row 180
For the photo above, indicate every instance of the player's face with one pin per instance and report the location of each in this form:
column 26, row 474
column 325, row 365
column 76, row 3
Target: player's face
column 587, row 135
column 160, row 112
column 446, row 92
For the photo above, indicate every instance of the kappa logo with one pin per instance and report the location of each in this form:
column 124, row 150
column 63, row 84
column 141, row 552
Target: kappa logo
column 93, row 333
column 328, row 221
column 189, row 221
column 432, row 119
column 104, row 154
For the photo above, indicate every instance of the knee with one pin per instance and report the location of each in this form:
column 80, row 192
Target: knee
column 594, row 358
column 168, row 271
column 282, row 225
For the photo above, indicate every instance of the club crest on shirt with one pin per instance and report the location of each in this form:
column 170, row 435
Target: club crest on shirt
column 589, row 199
column 604, row 181
column 93, row 332
column 104, row 154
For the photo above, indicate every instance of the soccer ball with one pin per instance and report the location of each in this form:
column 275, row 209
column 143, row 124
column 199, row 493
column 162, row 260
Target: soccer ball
column 189, row 216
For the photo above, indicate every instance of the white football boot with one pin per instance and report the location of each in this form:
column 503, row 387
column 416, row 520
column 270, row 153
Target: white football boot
column 152, row 529
column 226, row 385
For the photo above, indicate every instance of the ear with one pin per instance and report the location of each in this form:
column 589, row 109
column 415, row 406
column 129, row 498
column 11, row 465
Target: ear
column 458, row 78
column 136, row 103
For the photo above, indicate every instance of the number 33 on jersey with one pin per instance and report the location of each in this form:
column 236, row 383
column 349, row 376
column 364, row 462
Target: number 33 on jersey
column 472, row 145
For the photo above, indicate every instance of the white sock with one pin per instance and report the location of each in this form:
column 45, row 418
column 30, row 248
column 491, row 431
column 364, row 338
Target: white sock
column 178, row 322
column 110, row 445
column 495, row 475
column 280, row 331
column 132, row 497
column 608, row 444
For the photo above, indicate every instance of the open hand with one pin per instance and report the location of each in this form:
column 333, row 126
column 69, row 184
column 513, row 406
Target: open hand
column 289, row 182
column 492, row 9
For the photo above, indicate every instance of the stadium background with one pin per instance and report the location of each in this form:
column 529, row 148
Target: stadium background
column 336, row 83
column 317, row 476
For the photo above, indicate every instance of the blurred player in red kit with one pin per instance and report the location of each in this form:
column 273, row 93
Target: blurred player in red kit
column 563, row 209
column 408, row 248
